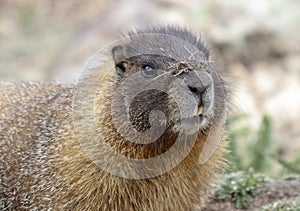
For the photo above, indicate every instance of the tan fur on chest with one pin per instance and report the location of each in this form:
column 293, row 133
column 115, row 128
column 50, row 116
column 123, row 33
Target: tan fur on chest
column 87, row 187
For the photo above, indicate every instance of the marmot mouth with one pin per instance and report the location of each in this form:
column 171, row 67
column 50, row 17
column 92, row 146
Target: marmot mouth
column 191, row 124
column 200, row 110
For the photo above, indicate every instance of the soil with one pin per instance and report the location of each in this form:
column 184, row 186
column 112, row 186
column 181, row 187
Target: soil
column 270, row 192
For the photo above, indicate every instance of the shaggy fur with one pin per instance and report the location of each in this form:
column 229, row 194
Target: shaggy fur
column 43, row 166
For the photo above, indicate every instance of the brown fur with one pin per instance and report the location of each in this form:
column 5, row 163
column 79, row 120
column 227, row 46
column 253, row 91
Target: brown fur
column 43, row 165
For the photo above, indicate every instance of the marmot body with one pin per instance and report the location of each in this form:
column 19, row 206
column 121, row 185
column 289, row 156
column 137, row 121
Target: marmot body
column 43, row 165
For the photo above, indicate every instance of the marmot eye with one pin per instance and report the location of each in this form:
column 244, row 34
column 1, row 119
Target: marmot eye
column 148, row 71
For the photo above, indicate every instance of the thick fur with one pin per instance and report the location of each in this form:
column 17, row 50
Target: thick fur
column 43, row 166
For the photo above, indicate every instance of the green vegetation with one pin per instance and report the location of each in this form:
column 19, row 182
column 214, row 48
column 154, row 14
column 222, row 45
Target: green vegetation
column 239, row 187
column 283, row 205
column 260, row 147
column 257, row 149
column 254, row 153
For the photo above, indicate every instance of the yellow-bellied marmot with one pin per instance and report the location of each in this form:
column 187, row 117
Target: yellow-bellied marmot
column 50, row 156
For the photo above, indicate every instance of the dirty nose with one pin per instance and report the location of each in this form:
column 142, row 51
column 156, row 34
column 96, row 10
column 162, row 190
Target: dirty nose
column 197, row 92
column 198, row 79
column 194, row 90
column 200, row 84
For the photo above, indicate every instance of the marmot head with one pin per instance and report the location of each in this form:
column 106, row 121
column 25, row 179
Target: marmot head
column 161, row 94
column 171, row 69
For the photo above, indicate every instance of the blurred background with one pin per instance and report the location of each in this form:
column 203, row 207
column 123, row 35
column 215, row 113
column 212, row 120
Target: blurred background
column 255, row 43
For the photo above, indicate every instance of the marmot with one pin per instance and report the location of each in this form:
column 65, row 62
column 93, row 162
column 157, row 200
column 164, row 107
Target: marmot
column 43, row 164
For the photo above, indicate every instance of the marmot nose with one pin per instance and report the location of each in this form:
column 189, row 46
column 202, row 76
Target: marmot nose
column 198, row 82
column 195, row 90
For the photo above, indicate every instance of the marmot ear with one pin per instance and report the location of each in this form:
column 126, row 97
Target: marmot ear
column 120, row 58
